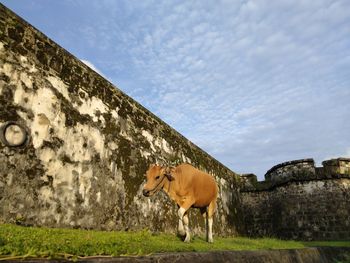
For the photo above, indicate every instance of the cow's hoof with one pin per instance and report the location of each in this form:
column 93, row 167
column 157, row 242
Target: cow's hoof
column 211, row 241
column 187, row 239
column 182, row 232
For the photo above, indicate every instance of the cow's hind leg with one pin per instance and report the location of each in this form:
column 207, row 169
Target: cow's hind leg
column 183, row 216
column 204, row 212
column 211, row 211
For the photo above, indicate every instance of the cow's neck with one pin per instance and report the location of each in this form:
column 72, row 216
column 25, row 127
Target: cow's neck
column 168, row 188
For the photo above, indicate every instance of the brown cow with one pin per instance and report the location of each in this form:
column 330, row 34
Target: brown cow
column 188, row 187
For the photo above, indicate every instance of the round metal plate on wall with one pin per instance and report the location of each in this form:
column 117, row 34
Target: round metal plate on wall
column 13, row 134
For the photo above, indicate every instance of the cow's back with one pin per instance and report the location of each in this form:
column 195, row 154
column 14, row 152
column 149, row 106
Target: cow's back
column 201, row 185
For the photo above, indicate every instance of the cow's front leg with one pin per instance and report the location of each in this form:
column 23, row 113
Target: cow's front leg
column 187, row 229
column 183, row 221
column 181, row 228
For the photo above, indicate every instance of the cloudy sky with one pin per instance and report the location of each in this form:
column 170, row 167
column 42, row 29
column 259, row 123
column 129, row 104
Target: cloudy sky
column 253, row 83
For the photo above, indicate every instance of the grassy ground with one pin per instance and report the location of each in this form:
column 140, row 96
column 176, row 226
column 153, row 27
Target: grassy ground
column 23, row 242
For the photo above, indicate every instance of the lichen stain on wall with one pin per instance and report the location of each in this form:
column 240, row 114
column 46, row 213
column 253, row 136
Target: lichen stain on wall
column 89, row 147
column 65, row 152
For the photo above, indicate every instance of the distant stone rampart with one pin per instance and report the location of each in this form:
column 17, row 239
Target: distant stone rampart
column 299, row 201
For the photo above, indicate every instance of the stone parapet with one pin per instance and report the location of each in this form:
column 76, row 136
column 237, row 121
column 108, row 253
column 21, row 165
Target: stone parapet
column 339, row 166
column 298, row 169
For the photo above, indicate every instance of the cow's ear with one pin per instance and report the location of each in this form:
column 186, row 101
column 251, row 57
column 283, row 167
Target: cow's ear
column 149, row 167
column 170, row 177
column 168, row 173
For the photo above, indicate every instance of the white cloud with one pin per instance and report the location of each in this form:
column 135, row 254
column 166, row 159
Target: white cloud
column 92, row 66
column 347, row 153
column 259, row 76
column 254, row 83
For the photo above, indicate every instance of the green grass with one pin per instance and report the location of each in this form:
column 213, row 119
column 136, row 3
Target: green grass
column 22, row 242
column 327, row 244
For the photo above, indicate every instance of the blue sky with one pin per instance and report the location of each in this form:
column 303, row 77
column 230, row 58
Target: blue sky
column 253, row 83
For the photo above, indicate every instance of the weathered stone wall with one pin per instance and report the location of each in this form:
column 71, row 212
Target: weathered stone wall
column 74, row 149
column 305, row 203
column 87, row 145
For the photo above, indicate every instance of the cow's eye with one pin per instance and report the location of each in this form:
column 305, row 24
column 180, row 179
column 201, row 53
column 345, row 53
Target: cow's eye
column 157, row 177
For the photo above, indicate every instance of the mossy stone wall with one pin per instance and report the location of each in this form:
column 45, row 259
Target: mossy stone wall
column 89, row 145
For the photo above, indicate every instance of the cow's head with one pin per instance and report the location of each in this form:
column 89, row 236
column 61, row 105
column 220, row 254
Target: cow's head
column 156, row 176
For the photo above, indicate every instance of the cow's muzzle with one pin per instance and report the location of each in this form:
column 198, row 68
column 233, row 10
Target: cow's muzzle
column 146, row 192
